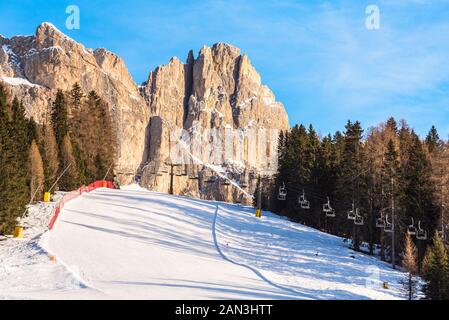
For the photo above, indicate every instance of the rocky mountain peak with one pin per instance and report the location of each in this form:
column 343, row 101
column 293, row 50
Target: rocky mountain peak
column 218, row 89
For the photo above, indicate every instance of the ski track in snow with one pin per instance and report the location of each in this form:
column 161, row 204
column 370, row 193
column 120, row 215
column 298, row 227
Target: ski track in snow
column 260, row 275
column 137, row 244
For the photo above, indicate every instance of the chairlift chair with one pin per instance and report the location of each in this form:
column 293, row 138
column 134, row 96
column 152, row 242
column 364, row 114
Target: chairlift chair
column 380, row 223
column 411, row 229
column 327, row 206
column 358, row 221
column 301, row 198
column 421, row 234
column 331, row 214
column 352, row 213
column 388, row 226
column 305, row 204
column 282, row 195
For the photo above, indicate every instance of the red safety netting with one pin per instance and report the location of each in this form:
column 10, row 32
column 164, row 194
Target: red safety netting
column 76, row 193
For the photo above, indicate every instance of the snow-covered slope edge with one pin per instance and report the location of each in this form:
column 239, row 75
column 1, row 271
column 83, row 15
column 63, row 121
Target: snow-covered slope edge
column 26, row 270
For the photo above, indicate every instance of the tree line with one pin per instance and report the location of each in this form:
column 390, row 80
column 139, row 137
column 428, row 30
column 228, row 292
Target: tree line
column 77, row 137
column 387, row 170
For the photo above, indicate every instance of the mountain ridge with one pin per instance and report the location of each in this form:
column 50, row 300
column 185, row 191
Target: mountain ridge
column 219, row 88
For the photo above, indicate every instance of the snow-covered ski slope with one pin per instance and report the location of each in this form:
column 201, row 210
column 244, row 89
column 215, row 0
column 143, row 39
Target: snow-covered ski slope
column 136, row 244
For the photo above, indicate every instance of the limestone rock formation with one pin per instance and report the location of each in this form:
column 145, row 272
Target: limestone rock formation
column 216, row 95
column 34, row 67
column 230, row 120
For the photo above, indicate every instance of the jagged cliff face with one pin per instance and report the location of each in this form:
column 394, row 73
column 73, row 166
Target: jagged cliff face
column 34, row 67
column 217, row 95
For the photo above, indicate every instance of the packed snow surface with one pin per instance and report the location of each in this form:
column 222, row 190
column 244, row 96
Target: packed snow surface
column 136, row 244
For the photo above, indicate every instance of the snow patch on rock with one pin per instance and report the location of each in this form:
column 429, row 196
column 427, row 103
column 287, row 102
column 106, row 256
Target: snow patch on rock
column 19, row 82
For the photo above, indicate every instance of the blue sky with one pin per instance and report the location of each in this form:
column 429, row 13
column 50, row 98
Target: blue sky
column 317, row 56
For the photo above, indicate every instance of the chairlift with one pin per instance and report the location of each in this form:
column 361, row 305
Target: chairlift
column 352, row 213
column 411, row 229
column 358, row 221
column 331, row 214
column 327, row 206
column 421, row 234
column 380, row 222
column 282, row 195
column 388, row 225
column 305, row 204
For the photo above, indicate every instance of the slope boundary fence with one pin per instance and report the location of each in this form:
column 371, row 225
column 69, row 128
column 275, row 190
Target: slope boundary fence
column 69, row 196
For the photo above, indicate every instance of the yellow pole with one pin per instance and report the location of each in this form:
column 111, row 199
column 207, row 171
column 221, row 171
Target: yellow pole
column 18, row 232
column 47, row 197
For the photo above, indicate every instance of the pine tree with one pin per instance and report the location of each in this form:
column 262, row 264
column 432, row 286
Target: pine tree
column 299, row 163
column 435, row 271
column 410, row 264
column 76, row 96
column 68, row 181
column 36, row 172
column 14, row 188
column 59, row 118
column 325, row 174
column 350, row 180
column 419, row 190
column 50, row 156
column 6, row 149
column 392, row 125
column 21, row 129
column 107, row 141
column 433, row 140
column 391, row 187
column 94, row 138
